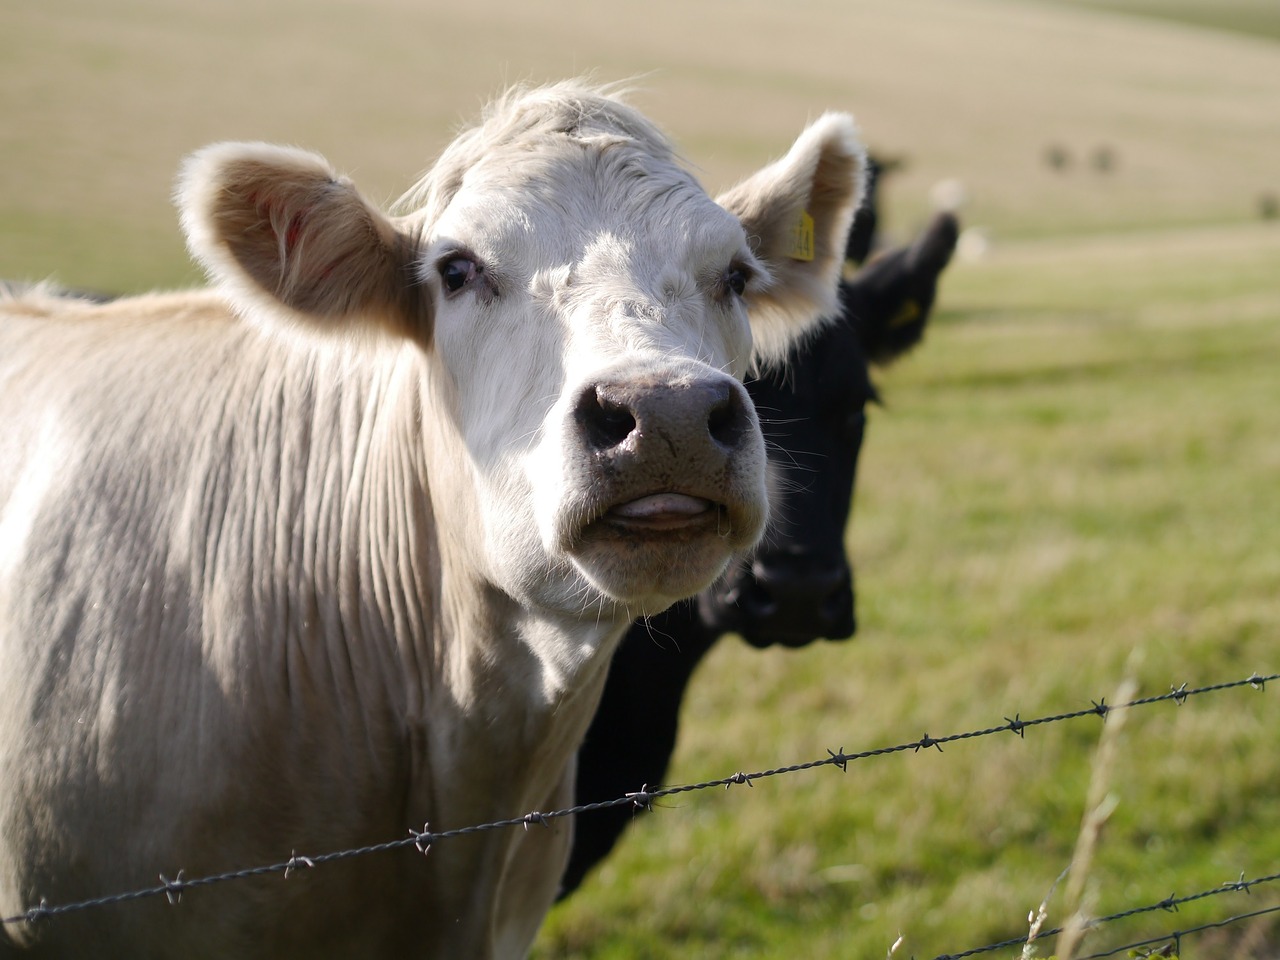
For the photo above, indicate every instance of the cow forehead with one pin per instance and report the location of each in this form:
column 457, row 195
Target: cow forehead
column 556, row 202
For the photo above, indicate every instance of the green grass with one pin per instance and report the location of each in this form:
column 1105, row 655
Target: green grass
column 1081, row 461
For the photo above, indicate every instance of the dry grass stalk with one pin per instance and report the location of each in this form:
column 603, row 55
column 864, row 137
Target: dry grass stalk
column 1037, row 918
column 1098, row 808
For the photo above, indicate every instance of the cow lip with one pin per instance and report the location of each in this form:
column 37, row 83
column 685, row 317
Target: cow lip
column 660, row 505
column 660, row 513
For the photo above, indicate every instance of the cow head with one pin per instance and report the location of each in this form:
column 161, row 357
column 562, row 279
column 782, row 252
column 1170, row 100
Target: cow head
column 579, row 313
column 799, row 585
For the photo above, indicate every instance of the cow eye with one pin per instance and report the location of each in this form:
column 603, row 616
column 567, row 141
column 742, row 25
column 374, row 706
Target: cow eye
column 457, row 272
column 736, row 279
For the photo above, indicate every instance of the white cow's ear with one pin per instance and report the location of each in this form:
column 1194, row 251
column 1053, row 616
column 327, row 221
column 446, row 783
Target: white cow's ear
column 797, row 213
column 288, row 238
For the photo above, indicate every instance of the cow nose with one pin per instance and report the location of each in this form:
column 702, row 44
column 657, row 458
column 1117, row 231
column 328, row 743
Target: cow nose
column 793, row 603
column 689, row 418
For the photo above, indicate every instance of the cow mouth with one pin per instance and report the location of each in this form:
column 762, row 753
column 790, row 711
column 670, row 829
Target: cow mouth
column 650, row 550
column 659, row 514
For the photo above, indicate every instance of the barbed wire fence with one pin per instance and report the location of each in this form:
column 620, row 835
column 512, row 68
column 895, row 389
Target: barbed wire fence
column 422, row 840
column 1169, row 904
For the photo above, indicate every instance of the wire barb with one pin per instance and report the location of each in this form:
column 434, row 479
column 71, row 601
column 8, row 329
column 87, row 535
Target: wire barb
column 295, row 861
column 36, row 914
column 1241, row 884
column 421, row 838
column 173, row 888
column 642, row 799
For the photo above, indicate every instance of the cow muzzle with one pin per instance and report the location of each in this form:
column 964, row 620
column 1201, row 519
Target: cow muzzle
column 669, row 478
column 790, row 599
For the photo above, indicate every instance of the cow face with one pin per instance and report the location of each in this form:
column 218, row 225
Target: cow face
column 581, row 312
column 625, row 288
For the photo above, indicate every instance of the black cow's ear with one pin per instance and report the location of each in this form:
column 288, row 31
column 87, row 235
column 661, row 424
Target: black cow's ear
column 889, row 300
column 932, row 250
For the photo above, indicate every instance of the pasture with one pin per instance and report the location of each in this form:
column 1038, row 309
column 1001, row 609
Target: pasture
column 1074, row 477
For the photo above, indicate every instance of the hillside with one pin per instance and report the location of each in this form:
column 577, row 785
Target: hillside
column 102, row 98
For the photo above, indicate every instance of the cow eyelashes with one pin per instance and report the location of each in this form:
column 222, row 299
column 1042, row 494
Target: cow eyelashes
column 735, row 280
column 458, row 271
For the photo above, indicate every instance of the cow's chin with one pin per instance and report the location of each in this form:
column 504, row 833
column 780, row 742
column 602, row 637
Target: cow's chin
column 648, row 563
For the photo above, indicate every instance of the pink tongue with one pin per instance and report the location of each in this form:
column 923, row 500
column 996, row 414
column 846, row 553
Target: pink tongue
column 663, row 504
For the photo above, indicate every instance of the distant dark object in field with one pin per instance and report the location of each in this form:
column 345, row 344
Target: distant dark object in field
column 798, row 588
column 1057, row 157
column 1103, row 159
column 1268, row 206
column 863, row 234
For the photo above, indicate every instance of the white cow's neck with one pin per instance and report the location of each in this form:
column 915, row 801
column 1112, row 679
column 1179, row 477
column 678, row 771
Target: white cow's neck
column 406, row 610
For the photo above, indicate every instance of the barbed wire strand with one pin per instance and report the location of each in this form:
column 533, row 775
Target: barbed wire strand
column 1169, row 904
column 1174, row 939
column 424, row 839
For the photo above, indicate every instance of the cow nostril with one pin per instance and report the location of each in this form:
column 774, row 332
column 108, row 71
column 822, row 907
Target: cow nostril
column 606, row 422
column 727, row 420
column 678, row 416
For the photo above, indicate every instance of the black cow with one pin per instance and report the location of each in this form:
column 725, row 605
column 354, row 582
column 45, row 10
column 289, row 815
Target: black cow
column 799, row 586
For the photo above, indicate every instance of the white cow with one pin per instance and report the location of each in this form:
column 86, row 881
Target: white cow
column 343, row 546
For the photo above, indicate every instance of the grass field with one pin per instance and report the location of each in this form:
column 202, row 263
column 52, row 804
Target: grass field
column 1079, row 470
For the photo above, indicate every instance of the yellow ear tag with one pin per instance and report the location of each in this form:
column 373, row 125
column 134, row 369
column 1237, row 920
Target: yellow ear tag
column 802, row 242
column 909, row 313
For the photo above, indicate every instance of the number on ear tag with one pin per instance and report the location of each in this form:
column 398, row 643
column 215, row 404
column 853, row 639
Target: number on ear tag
column 802, row 242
